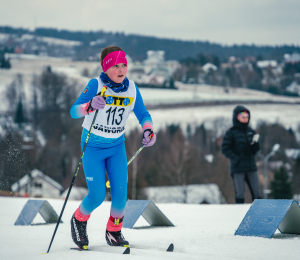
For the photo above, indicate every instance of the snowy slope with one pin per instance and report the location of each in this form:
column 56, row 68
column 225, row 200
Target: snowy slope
column 284, row 113
column 28, row 68
column 50, row 40
column 195, row 116
column 186, row 93
column 200, row 232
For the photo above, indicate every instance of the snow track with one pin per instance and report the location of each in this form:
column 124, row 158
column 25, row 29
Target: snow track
column 200, row 232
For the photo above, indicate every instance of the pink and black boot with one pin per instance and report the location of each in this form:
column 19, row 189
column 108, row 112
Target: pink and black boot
column 78, row 229
column 113, row 232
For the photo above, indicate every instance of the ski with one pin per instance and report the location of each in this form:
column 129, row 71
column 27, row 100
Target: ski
column 79, row 249
column 125, row 252
column 169, row 249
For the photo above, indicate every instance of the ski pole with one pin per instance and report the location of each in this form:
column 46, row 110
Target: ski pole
column 77, row 169
column 132, row 158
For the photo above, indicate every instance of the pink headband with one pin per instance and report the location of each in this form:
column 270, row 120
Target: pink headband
column 113, row 58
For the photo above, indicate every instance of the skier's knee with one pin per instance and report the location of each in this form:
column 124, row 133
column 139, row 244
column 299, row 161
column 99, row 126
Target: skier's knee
column 97, row 198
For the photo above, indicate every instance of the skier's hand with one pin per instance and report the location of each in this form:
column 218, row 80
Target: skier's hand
column 254, row 147
column 97, row 102
column 149, row 137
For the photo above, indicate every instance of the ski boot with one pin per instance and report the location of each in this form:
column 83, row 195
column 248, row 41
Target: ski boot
column 79, row 235
column 114, row 237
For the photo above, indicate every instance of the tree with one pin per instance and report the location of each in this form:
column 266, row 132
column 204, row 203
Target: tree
column 281, row 187
column 15, row 92
column 19, row 116
column 4, row 63
column 53, row 96
column 56, row 95
column 271, row 134
column 14, row 162
column 296, row 176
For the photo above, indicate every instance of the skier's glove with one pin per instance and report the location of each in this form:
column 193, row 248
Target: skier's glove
column 97, row 102
column 149, row 137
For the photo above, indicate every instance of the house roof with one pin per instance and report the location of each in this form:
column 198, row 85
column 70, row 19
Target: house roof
column 25, row 180
column 266, row 63
column 209, row 66
column 292, row 153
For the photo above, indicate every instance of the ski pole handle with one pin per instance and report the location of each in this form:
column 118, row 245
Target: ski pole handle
column 102, row 91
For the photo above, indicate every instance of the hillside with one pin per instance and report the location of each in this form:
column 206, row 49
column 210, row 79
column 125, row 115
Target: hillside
column 137, row 45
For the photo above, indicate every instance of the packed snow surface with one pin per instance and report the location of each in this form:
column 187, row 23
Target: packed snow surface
column 200, row 232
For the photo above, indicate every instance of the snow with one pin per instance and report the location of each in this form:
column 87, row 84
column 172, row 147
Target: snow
column 41, row 138
column 20, row 56
column 209, row 66
column 292, row 153
column 35, row 66
column 195, row 116
column 200, row 232
column 194, row 193
column 29, row 65
column 56, row 41
column 276, row 108
column 50, row 40
column 266, row 63
column 206, row 94
column 22, row 182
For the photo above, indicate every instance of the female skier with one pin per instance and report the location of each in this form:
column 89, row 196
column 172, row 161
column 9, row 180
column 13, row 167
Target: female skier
column 106, row 149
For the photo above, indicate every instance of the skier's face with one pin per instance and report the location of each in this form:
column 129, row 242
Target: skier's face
column 117, row 73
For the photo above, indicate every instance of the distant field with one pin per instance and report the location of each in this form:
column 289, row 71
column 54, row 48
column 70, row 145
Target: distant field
column 188, row 93
column 288, row 115
column 281, row 108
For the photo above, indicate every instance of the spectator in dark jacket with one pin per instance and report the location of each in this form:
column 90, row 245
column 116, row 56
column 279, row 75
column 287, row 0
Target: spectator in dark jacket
column 240, row 145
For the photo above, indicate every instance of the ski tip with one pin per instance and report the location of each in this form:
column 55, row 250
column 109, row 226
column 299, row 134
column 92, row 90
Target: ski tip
column 84, row 248
column 127, row 251
column 76, row 248
column 170, row 248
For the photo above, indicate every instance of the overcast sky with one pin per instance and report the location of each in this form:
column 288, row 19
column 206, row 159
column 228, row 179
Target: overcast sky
column 272, row 22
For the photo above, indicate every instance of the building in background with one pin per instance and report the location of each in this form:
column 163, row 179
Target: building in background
column 154, row 71
column 36, row 184
column 190, row 194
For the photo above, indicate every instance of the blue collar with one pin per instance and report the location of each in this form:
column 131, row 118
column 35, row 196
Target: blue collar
column 115, row 87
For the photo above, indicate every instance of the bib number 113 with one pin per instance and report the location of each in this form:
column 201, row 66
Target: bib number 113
column 113, row 112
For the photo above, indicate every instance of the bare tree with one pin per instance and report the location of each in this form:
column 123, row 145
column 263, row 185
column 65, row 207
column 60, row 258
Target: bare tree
column 15, row 92
column 177, row 161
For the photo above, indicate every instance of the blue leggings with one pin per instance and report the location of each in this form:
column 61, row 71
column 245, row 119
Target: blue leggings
column 95, row 161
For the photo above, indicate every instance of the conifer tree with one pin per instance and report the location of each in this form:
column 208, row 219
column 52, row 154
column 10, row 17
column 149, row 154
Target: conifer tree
column 281, row 187
column 19, row 116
